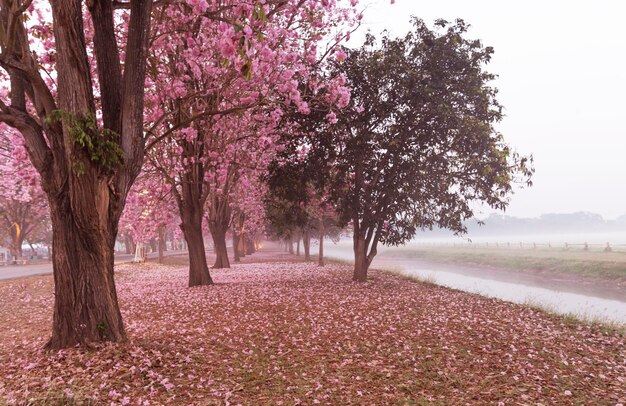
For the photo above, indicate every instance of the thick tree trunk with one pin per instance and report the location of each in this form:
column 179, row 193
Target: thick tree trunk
column 198, row 269
column 86, row 309
column 290, row 245
column 361, row 263
column 218, row 233
column 320, row 256
column 85, row 199
column 306, row 243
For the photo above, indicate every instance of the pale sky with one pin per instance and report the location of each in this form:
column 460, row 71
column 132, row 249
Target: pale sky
column 562, row 81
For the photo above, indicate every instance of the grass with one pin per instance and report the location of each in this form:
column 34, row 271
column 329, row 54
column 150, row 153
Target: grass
column 609, row 266
column 595, row 322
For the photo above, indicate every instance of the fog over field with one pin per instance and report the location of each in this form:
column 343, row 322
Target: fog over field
column 575, row 228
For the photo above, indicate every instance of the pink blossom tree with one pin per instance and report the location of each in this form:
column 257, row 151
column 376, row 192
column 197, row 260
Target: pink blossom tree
column 221, row 85
column 24, row 211
column 150, row 212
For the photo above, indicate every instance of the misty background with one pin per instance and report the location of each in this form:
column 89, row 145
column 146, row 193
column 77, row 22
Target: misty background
column 561, row 69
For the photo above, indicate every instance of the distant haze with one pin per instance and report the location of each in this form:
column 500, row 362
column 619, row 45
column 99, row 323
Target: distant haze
column 581, row 223
column 562, row 81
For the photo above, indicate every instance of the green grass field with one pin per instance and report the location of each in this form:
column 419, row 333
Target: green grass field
column 605, row 265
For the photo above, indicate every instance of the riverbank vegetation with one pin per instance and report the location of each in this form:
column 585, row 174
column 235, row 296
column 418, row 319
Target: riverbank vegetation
column 604, row 266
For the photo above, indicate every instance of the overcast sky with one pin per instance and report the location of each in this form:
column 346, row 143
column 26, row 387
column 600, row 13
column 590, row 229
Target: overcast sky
column 562, row 81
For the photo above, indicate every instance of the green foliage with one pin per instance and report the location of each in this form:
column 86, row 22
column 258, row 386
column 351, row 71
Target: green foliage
column 100, row 146
column 416, row 146
column 102, row 329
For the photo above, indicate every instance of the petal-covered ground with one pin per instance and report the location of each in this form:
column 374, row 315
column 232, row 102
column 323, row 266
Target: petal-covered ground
column 294, row 333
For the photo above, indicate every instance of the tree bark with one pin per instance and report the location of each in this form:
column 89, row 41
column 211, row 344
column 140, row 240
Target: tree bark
column 16, row 246
column 219, row 219
column 298, row 245
column 198, row 269
column 128, row 243
column 242, row 245
column 306, row 243
column 191, row 196
column 365, row 249
column 153, row 245
column 320, row 256
column 236, row 246
column 361, row 264
column 86, row 309
column 85, row 205
column 290, row 242
column 218, row 232
column 161, row 243
column 250, row 248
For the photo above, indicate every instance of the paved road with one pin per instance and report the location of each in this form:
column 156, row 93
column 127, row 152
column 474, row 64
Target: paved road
column 19, row 271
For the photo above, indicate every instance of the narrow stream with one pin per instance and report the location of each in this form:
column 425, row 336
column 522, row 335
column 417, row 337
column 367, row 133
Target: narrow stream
column 591, row 304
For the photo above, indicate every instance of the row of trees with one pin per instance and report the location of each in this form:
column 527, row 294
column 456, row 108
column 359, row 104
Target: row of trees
column 246, row 116
column 24, row 211
column 95, row 91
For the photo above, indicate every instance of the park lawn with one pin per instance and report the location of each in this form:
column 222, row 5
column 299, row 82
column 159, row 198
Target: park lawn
column 293, row 333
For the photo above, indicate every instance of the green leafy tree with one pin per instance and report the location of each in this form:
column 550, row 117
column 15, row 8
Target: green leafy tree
column 417, row 144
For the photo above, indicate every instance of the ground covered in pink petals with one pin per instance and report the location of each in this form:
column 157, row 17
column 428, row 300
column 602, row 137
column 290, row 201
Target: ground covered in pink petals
column 293, row 333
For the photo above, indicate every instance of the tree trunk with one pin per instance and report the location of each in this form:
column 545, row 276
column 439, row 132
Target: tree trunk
column 306, row 243
column 291, row 244
column 33, row 251
column 153, row 245
column 218, row 232
column 128, row 244
column 16, row 241
column 86, row 309
column 298, row 245
column 236, row 246
column 192, row 230
column 161, row 244
column 320, row 256
column 242, row 245
column 191, row 215
column 250, row 249
column 361, row 263
column 86, row 200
